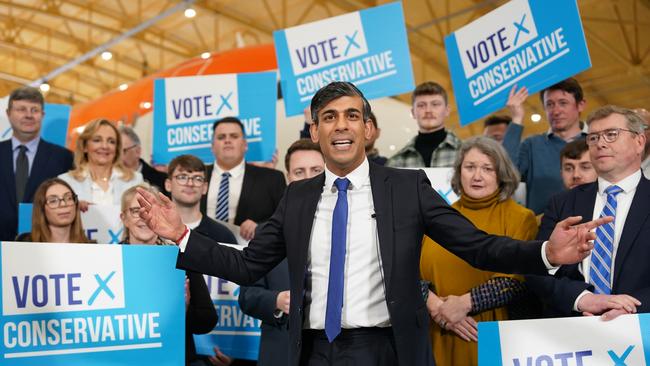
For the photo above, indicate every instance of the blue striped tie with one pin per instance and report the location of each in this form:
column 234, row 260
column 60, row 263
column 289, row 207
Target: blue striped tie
column 222, row 198
column 337, row 261
column 601, row 257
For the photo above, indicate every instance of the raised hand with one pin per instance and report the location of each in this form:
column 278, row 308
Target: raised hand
column 569, row 242
column 160, row 214
column 515, row 103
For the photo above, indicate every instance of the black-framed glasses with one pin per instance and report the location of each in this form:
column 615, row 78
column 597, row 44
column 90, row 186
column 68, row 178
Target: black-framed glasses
column 609, row 135
column 185, row 179
column 56, row 201
column 134, row 212
column 124, row 150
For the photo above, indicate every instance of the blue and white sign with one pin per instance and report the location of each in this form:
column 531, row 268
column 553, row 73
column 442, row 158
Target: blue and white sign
column 89, row 304
column 54, row 127
column 368, row 48
column 186, row 107
column 531, row 43
column 101, row 222
column 579, row 341
column 236, row 334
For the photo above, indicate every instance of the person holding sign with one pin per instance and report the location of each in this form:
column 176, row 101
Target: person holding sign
column 200, row 314
column 615, row 278
column 434, row 146
column 239, row 193
column 485, row 180
column 26, row 160
column 352, row 238
column 538, row 157
column 55, row 216
column 99, row 176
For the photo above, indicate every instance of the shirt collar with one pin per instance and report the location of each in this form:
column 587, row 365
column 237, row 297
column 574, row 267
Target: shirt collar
column 627, row 184
column 31, row 145
column 357, row 177
column 235, row 172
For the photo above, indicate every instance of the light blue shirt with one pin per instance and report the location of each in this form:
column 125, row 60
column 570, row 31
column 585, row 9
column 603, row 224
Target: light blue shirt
column 32, row 146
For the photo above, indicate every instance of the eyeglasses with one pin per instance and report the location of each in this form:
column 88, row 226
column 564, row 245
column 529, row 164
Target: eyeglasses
column 124, row 150
column 23, row 110
column 184, row 179
column 609, row 135
column 55, row 201
column 134, row 212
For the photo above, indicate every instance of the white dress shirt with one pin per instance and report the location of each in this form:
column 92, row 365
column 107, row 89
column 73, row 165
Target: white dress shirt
column 364, row 298
column 88, row 190
column 234, row 190
column 623, row 203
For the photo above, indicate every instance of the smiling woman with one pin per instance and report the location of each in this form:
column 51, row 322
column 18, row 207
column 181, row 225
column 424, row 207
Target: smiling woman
column 99, row 176
column 55, row 217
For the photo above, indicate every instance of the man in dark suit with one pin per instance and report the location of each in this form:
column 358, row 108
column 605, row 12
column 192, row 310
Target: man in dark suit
column 132, row 159
column 355, row 290
column 268, row 300
column 26, row 160
column 239, row 193
column 615, row 278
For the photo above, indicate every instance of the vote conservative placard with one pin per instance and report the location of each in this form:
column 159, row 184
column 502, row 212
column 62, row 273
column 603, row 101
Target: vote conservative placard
column 368, row 48
column 578, row 341
column 186, row 107
column 91, row 304
column 531, row 43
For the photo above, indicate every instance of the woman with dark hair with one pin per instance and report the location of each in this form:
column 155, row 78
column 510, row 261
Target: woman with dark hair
column 55, row 216
column 485, row 180
column 200, row 314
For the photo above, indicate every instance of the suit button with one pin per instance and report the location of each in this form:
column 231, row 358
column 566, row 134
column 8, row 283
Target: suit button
column 299, row 310
column 298, row 344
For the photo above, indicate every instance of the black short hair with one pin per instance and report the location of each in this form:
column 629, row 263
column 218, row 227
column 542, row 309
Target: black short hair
column 28, row 93
column 574, row 149
column 373, row 119
column 229, row 120
column 570, row 85
column 300, row 145
column 336, row 90
column 494, row 120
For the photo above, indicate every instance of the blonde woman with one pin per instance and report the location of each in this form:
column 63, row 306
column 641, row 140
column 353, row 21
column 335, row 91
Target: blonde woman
column 55, row 217
column 99, row 176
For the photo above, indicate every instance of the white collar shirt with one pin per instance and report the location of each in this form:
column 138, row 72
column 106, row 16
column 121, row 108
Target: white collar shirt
column 234, row 190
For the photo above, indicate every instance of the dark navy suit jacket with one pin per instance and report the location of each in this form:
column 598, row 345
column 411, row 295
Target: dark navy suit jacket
column 631, row 266
column 50, row 161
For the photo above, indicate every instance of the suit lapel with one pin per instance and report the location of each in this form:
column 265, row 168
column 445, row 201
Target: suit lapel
column 7, row 170
column 246, row 191
column 585, row 201
column 39, row 168
column 204, row 199
column 636, row 216
column 383, row 202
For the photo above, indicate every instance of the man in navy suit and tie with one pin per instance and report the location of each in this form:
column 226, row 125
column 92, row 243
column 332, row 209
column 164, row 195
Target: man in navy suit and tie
column 26, row 159
column 615, row 278
column 352, row 238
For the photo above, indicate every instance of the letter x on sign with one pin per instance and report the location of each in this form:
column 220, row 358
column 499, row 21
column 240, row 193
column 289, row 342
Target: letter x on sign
column 102, row 287
column 520, row 28
column 351, row 42
column 620, row 360
column 224, row 102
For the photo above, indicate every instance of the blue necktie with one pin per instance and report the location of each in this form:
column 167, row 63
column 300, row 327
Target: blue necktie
column 222, row 198
column 337, row 261
column 601, row 256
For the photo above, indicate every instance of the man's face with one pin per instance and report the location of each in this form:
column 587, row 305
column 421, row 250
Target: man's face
column 130, row 152
column 305, row 164
column 615, row 160
column 342, row 134
column 228, row 145
column 562, row 110
column 430, row 111
column 25, row 118
column 186, row 188
column 577, row 171
column 496, row 131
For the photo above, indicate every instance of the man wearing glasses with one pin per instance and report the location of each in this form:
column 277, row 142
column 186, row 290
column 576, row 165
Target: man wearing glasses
column 26, row 160
column 132, row 159
column 617, row 271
